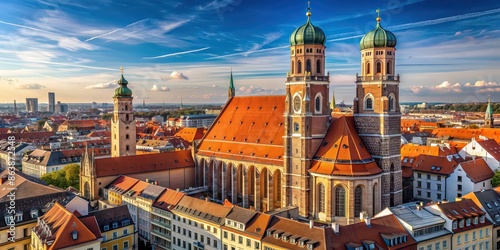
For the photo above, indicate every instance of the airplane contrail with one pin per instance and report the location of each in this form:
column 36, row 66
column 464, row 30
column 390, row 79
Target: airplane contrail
column 115, row 30
column 176, row 53
column 62, row 64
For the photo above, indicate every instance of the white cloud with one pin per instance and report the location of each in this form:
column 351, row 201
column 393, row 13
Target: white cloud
column 108, row 85
column 252, row 90
column 29, row 86
column 175, row 75
column 163, row 89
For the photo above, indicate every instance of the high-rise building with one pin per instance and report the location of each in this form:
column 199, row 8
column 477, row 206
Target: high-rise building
column 123, row 140
column 52, row 102
column 61, row 107
column 32, row 105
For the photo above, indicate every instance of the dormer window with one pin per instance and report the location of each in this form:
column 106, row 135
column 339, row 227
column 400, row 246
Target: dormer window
column 454, row 224
column 481, row 219
column 475, row 220
column 34, row 213
column 74, row 235
column 106, row 227
column 461, row 223
column 467, row 222
column 115, row 224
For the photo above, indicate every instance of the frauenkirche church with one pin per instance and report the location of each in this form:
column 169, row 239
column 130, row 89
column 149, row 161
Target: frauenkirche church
column 269, row 152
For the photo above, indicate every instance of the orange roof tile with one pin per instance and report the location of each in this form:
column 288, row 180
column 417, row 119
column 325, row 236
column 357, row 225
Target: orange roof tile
column 143, row 163
column 249, row 128
column 297, row 230
column 122, row 184
column 434, row 164
column 412, row 150
column 343, row 153
column 380, row 226
column 168, row 199
column 61, row 223
column 191, row 134
column 467, row 134
column 463, row 209
column 91, row 223
column 477, row 170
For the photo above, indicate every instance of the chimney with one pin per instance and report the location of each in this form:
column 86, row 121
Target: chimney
column 207, row 199
column 335, row 227
column 368, row 222
column 311, row 223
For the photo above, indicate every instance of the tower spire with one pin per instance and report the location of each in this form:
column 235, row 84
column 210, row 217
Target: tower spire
column 308, row 13
column 231, row 90
column 488, row 115
column 378, row 16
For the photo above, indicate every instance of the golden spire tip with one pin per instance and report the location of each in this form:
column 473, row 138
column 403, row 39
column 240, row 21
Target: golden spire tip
column 121, row 69
column 308, row 13
column 378, row 15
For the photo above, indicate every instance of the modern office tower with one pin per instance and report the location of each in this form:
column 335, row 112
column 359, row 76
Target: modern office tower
column 52, row 102
column 32, row 105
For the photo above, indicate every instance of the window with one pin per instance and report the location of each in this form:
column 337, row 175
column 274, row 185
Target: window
column 299, row 67
column 474, row 235
column 293, row 67
column 438, row 245
column 459, row 178
column 458, row 239
column 466, row 237
column 367, row 68
column 419, row 175
column 369, row 102
column 428, row 194
column 340, row 201
column 318, row 103
column 487, row 232
column 357, row 200
column 455, row 224
column 438, row 187
column 439, row 196
column 459, row 187
column 125, row 244
column 379, row 67
column 445, row 243
column 391, row 102
column 308, row 66
column 428, row 184
column 249, row 243
column 388, row 69
column 240, row 239
column 439, row 177
column 115, row 235
column 318, row 66
column 115, row 247
column 428, row 176
column 125, row 231
column 225, row 235
column 321, row 198
column 419, row 184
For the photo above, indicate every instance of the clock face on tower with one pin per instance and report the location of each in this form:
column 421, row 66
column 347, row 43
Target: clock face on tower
column 296, row 103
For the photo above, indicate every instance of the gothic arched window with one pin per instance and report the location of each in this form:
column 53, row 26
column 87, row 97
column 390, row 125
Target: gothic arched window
column 388, row 70
column 127, row 148
column 299, row 67
column 126, row 136
column 126, row 117
column 391, row 102
column 357, row 200
column 340, row 201
column 367, row 68
column 293, row 67
column 126, row 107
column 369, row 103
column 318, row 66
column 308, row 65
column 317, row 103
column 321, row 198
column 379, row 67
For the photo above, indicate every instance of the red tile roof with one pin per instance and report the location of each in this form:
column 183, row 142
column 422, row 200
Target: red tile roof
column 297, row 230
column 434, row 164
column 143, row 163
column 122, row 184
column 343, row 153
column 249, row 128
column 168, row 199
column 477, row 170
column 61, row 223
column 492, row 147
column 356, row 233
column 462, row 210
column 412, row 150
column 467, row 134
column 191, row 134
column 91, row 223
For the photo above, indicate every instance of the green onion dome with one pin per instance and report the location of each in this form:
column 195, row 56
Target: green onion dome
column 123, row 90
column 308, row 33
column 378, row 37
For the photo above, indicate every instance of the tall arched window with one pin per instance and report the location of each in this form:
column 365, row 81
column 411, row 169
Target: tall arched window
column 321, row 198
column 308, row 65
column 126, row 107
column 379, row 67
column 127, row 147
column 357, row 200
column 391, row 102
column 340, row 201
column 126, row 136
column 126, row 117
column 318, row 104
column 369, row 103
column 299, row 67
column 318, row 66
column 293, row 67
column 388, row 70
column 367, row 68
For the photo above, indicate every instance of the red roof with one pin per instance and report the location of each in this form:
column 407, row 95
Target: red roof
column 492, row 147
column 412, row 150
column 168, row 199
column 385, row 226
column 477, row 170
column 462, row 210
column 343, row 153
column 122, row 184
column 434, row 164
column 143, row 163
column 467, row 134
column 249, row 128
column 191, row 134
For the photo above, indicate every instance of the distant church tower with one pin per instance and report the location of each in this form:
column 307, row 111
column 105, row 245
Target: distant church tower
column 231, row 91
column 306, row 112
column 376, row 109
column 123, row 130
column 488, row 116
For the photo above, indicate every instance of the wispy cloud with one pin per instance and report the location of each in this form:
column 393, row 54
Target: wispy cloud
column 63, row 64
column 107, row 85
column 246, row 53
column 177, row 53
column 175, row 75
column 30, row 86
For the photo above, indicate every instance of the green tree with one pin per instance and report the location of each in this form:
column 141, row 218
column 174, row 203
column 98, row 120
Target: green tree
column 69, row 175
column 496, row 179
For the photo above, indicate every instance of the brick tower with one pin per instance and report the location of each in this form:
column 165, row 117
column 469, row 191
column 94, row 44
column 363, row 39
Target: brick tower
column 306, row 112
column 376, row 109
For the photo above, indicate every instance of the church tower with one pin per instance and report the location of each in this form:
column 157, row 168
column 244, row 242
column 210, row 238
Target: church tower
column 376, row 109
column 488, row 116
column 123, row 130
column 231, row 91
column 306, row 112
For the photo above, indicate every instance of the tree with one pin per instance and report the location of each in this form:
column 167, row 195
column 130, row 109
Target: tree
column 496, row 179
column 69, row 175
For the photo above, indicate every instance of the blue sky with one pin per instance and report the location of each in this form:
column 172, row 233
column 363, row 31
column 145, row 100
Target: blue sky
column 448, row 50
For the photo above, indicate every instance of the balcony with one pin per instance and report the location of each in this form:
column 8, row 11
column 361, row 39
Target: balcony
column 307, row 78
column 160, row 234
column 377, row 78
column 161, row 224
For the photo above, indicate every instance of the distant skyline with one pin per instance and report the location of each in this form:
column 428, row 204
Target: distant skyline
column 448, row 51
